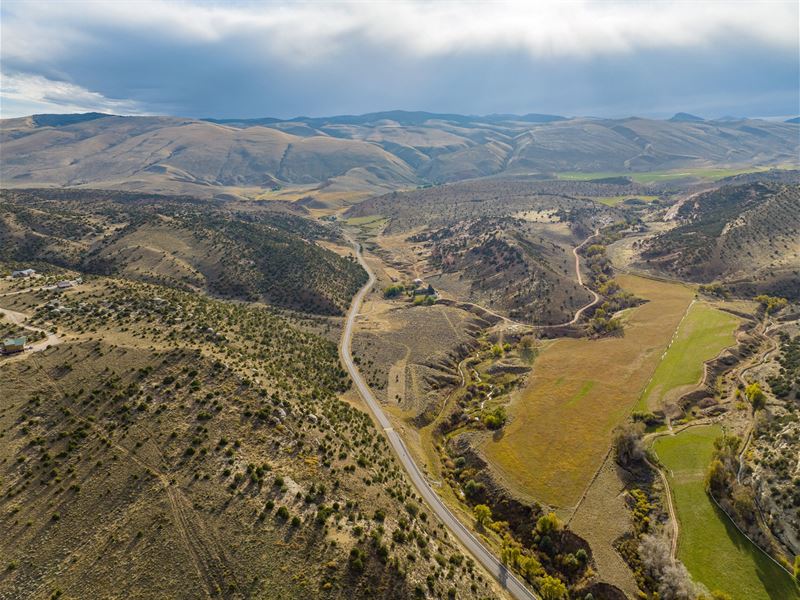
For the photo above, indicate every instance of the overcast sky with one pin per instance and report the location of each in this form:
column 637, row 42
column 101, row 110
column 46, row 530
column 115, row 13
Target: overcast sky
column 237, row 59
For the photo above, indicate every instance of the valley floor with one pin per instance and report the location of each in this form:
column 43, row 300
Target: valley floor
column 712, row 548
column 579, row 391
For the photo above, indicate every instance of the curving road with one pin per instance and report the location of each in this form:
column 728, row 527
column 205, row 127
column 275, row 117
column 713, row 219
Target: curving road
column 481, row 553
column 595, row 295
column 19, row 319
column 578, row 313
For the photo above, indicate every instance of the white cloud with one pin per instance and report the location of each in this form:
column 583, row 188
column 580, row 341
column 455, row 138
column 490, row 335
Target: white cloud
column 253, row 58
column 308, row 31
column 24, row 94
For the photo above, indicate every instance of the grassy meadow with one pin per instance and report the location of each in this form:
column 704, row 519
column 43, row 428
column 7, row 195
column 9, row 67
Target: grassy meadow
column 645, row 178
column 369, row 222
column 579, row 390
column 703, row 333
column 713, row 550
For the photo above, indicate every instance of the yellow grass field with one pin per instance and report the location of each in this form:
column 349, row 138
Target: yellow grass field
column 579, row 390
column 614, row 200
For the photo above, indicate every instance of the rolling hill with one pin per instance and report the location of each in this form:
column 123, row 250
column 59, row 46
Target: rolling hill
column 504, row 244
column 364, row 154
column 746, row 235
column 177, row 446
column 265, row 254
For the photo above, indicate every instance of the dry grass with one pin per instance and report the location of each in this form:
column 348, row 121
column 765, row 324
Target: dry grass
column 614, row 200
column 600, row 519
column 579, row 390
column 101, row 499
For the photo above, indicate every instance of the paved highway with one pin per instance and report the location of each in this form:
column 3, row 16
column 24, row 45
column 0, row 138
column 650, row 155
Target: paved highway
column 481, row 553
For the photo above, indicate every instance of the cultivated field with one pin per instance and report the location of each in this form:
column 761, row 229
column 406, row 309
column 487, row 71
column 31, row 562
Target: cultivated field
column 713, row 550
column 702, row 334
column 579, row 390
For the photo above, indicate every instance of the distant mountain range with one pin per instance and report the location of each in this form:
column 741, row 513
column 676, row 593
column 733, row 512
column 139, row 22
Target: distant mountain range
column 365, row 154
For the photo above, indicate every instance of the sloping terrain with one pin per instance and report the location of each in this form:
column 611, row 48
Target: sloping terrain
column 444, row 205
column 175, row 446
column 152, row 152
column 372, row 153
column 746, row 235
column 252, row 254
column 510, row 265
column 506, row 245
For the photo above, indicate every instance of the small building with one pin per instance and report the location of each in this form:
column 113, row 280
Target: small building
column 23, row 273
column 63, row 285
column 428, row 291
column 14, row 345
column 417, row 282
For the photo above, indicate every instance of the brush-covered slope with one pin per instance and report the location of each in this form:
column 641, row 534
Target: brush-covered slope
column 517, row 268
column 176, row 446
column 506, row 245
column 251, row 254
column 747, row 235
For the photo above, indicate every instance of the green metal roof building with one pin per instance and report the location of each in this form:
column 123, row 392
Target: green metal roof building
column 11, row 345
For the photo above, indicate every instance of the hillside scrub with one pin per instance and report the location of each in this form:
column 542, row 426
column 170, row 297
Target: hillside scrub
column 231, row 410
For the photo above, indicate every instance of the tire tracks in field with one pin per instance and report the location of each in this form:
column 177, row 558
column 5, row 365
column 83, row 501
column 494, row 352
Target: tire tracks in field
column 208, row 559
column 210, row 563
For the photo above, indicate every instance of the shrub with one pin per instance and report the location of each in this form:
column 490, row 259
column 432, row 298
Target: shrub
column 755, row 395
column 552, row 588
column 496, row 419
column 483, row 514
column 356, row 560
column 628, row 443
column 474, row 489
column 393, row 291
column 548, row 524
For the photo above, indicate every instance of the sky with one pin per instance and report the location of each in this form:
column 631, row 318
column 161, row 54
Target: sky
column 286, row 59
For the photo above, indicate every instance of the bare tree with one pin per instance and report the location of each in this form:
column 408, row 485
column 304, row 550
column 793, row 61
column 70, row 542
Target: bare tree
column 674, row 581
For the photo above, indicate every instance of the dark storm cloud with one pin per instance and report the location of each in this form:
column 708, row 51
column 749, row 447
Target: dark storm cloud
column 257, row 60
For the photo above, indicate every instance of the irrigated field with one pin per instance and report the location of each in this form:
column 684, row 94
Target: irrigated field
column 703, row 333
column 713, row 550
column 579, row 390
column 614, row 200
column 712, row 174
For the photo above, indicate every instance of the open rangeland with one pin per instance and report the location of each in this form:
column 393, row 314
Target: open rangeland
column 702, row 334
column 702, row 173
column 174, row 446
column 715, row 552
column 579, row 391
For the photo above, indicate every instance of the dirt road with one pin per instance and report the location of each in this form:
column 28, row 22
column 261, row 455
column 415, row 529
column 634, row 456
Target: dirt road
column 19, row 319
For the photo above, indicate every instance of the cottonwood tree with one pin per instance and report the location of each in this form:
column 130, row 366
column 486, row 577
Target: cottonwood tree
column 483, row 514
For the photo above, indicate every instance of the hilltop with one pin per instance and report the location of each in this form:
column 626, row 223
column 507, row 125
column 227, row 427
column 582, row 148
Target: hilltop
column 185, row 428
column 173, row 445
